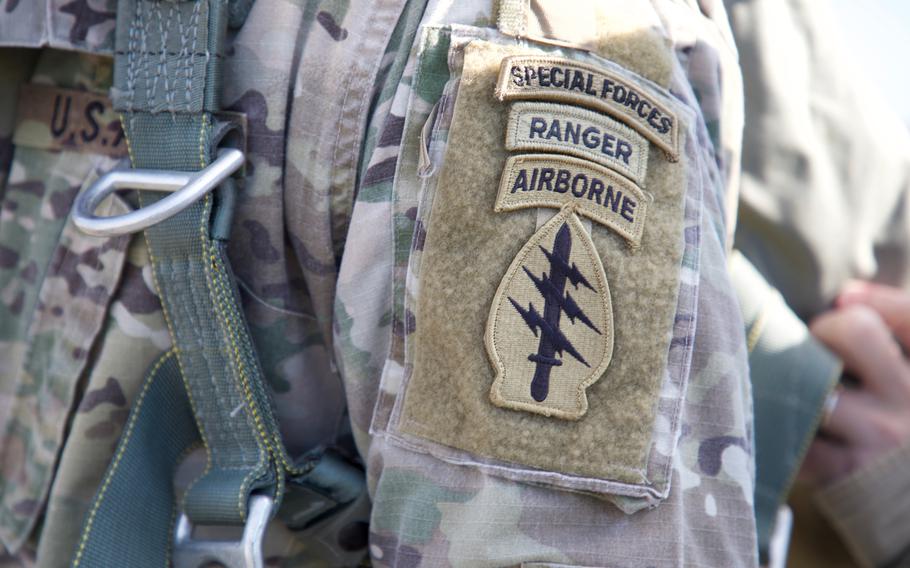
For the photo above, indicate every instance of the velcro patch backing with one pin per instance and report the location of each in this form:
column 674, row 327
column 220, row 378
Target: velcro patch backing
column 564, row 80
column 571, row 130
column 551, row 180
column 52, row 118
column 445, row 402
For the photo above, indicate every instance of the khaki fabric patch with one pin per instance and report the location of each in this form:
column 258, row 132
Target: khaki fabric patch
column 571, row 130
column 52, row 118
column 467, row 249
column 546, row 355
column 544, row 77
column 549, row 180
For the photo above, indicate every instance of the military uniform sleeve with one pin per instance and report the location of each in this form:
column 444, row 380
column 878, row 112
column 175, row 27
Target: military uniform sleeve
column 870, row 509
column 649, row 463
column 483, row 242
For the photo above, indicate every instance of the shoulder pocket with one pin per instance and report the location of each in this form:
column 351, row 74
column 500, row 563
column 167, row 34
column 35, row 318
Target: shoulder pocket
column 551, row 282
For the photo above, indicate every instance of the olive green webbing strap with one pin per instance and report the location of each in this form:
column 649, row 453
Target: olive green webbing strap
column 129, row 523
column 792, row 375
column 223, row 378
column 209, row 389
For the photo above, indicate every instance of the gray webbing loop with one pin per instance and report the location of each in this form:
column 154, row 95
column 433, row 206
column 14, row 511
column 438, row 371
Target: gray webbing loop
column 166, row 85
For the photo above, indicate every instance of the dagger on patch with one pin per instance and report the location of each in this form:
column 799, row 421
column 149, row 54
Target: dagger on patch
column 557, row 301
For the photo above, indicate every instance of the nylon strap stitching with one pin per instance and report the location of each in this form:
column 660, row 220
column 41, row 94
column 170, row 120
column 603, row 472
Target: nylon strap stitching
column 215, row 279
column 134, row 415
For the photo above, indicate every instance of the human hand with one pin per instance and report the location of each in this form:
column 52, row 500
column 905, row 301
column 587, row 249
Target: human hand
column 870, row 331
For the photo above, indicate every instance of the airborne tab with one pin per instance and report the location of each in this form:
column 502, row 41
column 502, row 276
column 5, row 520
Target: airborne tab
column 551, row 180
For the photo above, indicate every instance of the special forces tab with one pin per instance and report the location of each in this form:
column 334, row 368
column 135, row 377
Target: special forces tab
column 564, row 80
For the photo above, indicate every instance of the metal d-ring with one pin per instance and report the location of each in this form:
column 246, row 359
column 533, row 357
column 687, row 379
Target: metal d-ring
column 185, row 188
column 244, row 553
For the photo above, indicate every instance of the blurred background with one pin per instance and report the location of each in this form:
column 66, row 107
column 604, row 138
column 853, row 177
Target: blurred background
column 877, row 33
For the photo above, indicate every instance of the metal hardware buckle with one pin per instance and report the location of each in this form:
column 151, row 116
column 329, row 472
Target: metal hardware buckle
column 243, row 553
column 186, row 188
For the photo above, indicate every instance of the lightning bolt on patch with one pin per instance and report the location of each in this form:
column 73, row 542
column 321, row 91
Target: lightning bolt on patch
column 550, row 331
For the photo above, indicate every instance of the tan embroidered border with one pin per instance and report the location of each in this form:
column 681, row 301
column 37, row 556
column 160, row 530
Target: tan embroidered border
column 552, row 180
column 596, row 136
column 532, row 77
column 511, row 336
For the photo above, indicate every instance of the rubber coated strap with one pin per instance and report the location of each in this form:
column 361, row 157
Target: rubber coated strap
column 792, row 375
column 167, row 80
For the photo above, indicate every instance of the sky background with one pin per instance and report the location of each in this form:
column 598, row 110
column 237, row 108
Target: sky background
column 878, row 34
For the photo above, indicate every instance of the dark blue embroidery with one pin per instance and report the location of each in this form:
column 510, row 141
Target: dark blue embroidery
column 564, row 180
column 585, row 82
column 591, row 136
column 556, row 301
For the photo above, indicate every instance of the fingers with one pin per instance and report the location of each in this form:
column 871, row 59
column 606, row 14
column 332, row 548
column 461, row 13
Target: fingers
column 854, row 419
column 892, row 304
column 867, row 331
column 825, row 461
column 862, row 339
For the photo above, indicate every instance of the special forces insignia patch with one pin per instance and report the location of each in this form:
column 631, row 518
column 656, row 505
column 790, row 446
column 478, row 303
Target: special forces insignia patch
column 546, row 355
column 554, row 285
column 550, row 330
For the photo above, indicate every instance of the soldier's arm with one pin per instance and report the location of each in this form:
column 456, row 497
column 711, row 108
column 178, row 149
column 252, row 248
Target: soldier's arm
column 824, row 179
column 470, row 463
column 862, row 458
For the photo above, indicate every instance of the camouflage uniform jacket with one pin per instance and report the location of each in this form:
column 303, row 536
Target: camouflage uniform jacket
column 368, row 252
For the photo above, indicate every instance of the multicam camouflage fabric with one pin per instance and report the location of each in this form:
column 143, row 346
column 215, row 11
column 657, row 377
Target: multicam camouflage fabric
column 453, row 505
column 272, row 274
column 80, row 25
column 324, row 245
column 73, row 306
